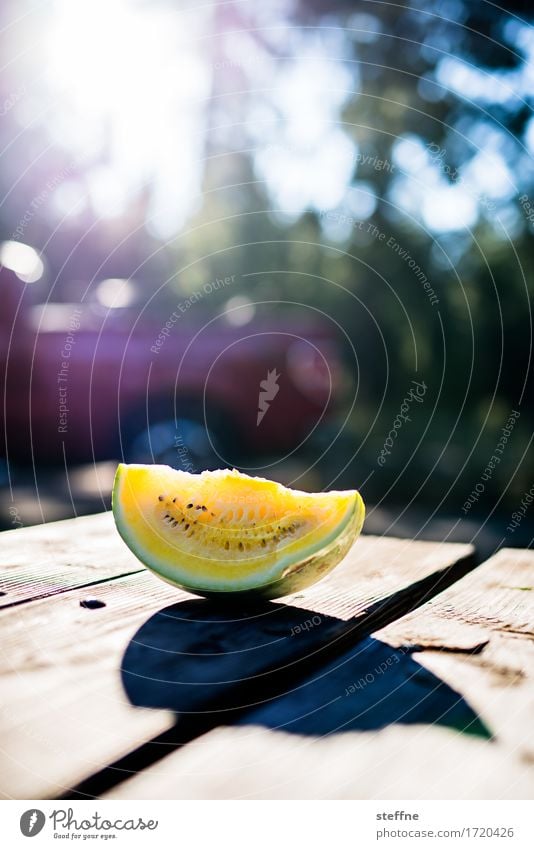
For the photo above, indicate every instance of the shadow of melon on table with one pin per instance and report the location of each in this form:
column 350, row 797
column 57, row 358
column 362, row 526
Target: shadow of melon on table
column 267, row 665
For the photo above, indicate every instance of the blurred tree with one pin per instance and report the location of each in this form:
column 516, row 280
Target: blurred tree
column 357, row 157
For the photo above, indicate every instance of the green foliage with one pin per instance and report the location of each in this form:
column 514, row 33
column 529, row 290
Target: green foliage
column 473, row 347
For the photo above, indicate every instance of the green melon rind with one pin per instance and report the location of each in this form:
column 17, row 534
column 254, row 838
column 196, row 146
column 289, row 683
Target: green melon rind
column 289, row 577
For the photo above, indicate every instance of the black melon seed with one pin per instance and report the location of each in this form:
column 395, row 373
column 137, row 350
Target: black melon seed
column 161, row 498
column 240, row 546
column 187, row 527
column 189, row 505
column 227, row 545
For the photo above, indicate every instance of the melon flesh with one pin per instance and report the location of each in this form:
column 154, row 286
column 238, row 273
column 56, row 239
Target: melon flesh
column 224, row 533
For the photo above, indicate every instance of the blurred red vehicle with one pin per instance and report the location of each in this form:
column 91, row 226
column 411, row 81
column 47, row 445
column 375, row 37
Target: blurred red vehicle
column 84, row 383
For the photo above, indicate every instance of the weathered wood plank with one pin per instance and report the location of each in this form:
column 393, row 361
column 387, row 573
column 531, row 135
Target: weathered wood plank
column 478, row 636
column 48, row 559
column 64, row 715
column 399, row 762
column 197, row 656
column 473, row 670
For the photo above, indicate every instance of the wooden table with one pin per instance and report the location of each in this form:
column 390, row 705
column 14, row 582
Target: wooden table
column 406, row 673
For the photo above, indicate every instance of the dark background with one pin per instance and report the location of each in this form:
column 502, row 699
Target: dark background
column 339, row 162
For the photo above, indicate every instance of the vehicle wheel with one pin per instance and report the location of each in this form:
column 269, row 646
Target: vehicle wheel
column 184, row 442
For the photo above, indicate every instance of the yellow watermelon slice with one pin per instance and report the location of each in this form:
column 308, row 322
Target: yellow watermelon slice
column 226, row 535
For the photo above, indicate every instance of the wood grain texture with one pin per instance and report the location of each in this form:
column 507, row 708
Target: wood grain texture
column 63, row 711
column 196, row 656
column 415, row 762
column 64, row 714
column 48, row 559
column 478, row 636
column 464, row 660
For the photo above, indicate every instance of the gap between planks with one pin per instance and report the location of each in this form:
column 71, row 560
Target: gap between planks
column 46, row 560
